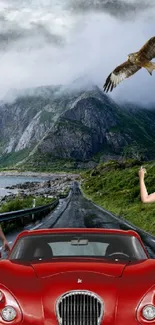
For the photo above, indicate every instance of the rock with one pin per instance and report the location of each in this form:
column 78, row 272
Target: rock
column 52, row 187
column 74, row 125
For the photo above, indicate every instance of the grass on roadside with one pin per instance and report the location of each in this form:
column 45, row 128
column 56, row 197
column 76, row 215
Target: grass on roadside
column 24, row 203
column 115, row 186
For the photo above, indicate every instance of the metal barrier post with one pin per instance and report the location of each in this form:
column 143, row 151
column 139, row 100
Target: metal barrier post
column 33, row 206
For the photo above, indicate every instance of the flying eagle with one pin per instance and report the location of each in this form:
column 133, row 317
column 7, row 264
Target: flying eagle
column 136, row 61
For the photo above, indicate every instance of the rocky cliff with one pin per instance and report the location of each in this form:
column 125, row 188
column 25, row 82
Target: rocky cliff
column 74, row 124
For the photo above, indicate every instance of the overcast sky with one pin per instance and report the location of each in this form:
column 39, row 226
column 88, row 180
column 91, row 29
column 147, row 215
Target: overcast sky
column 44, row 42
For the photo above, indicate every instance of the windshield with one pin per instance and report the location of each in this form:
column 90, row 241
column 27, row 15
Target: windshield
column 50, row 246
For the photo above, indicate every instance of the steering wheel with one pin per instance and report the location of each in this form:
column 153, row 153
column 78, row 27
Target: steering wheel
column 117, row 254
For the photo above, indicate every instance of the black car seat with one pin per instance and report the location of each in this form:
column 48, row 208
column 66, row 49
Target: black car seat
column 43, row 251
column 114, row 248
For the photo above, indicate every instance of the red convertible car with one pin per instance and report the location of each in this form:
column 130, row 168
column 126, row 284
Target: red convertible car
column 77, row 277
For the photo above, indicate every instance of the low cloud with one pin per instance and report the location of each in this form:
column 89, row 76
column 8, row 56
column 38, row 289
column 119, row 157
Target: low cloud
column 44, row 42
column 121, row 9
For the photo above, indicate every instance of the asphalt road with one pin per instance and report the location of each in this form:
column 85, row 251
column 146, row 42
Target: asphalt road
column 76, row 212
column 82, row 213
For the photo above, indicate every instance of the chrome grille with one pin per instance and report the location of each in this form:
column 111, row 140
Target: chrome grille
column 79, row 308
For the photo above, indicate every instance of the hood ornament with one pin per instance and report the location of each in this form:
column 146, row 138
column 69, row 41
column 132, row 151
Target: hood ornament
column 79, row 281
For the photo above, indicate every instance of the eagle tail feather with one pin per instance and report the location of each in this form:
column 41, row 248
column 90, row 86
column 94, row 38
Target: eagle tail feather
column 150, row 66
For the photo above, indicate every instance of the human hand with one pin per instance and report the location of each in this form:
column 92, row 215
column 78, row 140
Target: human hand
column 6, row 245
column 142, row 172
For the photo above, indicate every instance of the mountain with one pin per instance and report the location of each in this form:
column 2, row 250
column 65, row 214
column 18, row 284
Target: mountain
column 75, row 124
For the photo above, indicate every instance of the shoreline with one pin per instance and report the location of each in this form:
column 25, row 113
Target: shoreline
column 7, row 188
column 37, row 174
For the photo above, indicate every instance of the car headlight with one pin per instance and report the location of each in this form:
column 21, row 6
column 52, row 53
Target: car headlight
column 149, row 312
column 8, row 313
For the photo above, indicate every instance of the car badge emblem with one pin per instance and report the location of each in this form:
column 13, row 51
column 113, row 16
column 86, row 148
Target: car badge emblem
column 79, row 281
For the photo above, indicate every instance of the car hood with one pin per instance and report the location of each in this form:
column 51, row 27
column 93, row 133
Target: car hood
column 38, row 286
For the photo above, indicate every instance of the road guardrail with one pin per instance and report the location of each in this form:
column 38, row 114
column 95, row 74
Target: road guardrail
column 25, row 212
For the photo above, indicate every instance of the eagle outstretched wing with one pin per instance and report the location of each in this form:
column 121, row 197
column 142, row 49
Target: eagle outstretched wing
column 148, row 49
column 123, row 71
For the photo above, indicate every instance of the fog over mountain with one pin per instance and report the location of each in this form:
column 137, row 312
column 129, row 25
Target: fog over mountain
column 44, row 42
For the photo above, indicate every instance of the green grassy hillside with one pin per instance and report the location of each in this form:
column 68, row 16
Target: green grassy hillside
column 115, row 186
